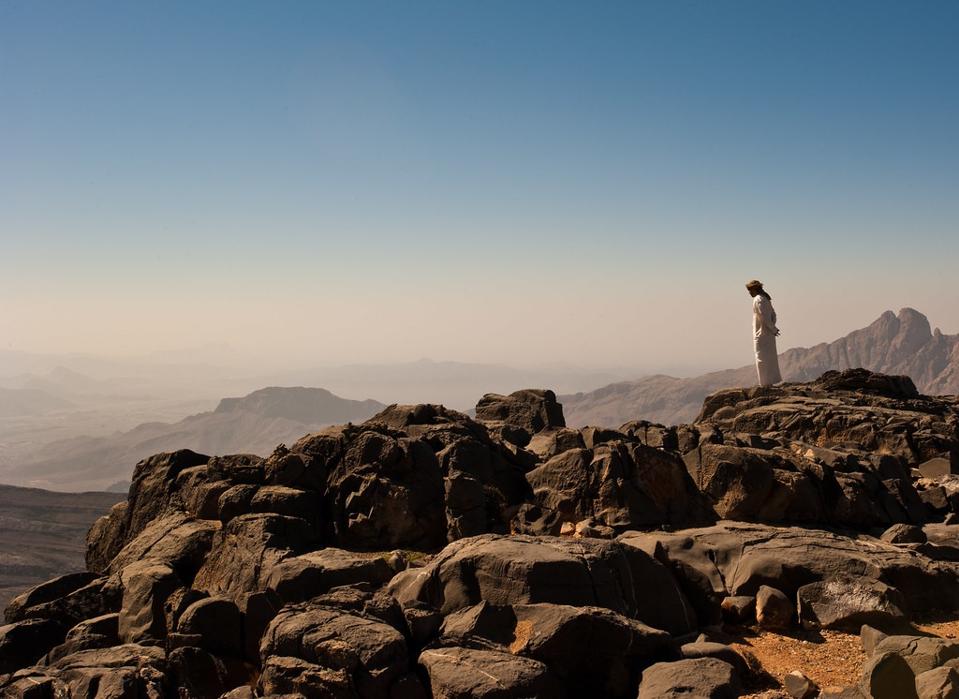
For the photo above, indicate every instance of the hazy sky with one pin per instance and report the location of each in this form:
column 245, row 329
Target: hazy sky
column 519, row 182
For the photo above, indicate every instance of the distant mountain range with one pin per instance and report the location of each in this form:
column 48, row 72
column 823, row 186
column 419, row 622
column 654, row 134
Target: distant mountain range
column 29, row 401
column 42, row 534
column 254, row 424
column 893, row 344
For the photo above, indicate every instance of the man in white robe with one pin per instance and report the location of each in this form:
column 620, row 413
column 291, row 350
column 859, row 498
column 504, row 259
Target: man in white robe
column 764, row 335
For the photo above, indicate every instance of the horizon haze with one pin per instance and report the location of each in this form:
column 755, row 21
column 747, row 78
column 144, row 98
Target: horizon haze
column 526, row 185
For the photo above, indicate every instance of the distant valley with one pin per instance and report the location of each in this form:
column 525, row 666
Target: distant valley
column 42, row 534
column 255, row 423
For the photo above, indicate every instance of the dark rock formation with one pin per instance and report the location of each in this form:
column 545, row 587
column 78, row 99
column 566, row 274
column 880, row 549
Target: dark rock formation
column 424, row 553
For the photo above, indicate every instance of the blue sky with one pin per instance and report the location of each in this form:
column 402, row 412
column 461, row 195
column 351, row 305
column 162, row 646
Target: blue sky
column 502, row 181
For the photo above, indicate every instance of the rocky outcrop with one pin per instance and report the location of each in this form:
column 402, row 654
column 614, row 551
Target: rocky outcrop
column 424, row 553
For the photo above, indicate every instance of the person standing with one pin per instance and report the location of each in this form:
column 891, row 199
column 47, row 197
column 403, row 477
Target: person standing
column 764, row 334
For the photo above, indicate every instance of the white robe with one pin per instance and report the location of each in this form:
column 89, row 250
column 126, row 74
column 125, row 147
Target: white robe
column 764, row 334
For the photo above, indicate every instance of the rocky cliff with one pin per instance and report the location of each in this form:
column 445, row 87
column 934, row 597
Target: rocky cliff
column 903, row 344
column 424, row 553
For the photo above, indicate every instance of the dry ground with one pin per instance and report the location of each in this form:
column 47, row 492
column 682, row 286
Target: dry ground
column 830, row 658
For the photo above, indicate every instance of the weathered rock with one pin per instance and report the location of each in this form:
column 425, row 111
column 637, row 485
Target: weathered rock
column 258, row 609
column 870, row 638
column 848, row 603
column 153, row 493
column 119, row 672
column 739, row 609
column 888, row 676
column 365, row 654
column 799, row 686
column 720, row 651
column 203, row 675
column 555, row 633
column 44, row 593
column 940, row 683
column 707, row 678
column 531, row 409
column 176, row 540
column 293, row 677
column 99, row 632
column 237, row 468
column 920, row 653
column 235, row 501
column 387, row 492
column 904, row 534
column 51, row 601
column 550, row 442
column 773, row 609
column 246, row 550
column 465, row 673
column 735, row 558
column 146, row 586
column 22, row 643
column 523, row 570
column 284, row 500
column 218, row 624
column 302, row 577
column 618, row 485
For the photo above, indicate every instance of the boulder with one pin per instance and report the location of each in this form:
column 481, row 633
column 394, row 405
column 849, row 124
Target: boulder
column 920, row 653
column 365, row 654
column 300, row 578
column 773, row 609
column 218, row 624
column 465, row 673
column 939, row 683
column 904, row 534
column 619, row 485
column 848, row 603
column 23, row 643
column 870, row 638
column 386, row 492
column 736, row 558
column 720, row 651
column 554, row 634
column 146, row 586
column 293, row 677
column 119, row 672
column 550, row 442
column 887, row 675
column 524, row 570
column 739, row 609
column 153, row 493
column 200, row 674
column 237, row 468
column 176, row 540
column 245, row 552
column 52, row 600
column 704, row 678
column 99, row 632
column 44, row 593
column 799, row 686
column 531, row 409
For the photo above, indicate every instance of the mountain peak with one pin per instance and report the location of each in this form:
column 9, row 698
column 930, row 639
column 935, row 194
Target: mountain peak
column 307, row 405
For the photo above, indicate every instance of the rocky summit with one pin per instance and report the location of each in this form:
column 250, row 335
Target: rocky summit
column 424, row 553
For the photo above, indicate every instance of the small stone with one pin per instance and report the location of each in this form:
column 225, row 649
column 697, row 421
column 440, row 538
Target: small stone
column 739, row 609
column 773, row 609
column 799, row 686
